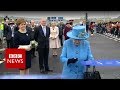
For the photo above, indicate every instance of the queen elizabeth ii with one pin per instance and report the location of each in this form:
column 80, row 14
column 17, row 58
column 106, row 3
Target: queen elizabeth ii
column 75, row 51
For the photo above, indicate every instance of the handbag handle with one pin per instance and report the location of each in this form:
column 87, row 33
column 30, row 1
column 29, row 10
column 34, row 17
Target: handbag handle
column 94, row 68
column 88, row 66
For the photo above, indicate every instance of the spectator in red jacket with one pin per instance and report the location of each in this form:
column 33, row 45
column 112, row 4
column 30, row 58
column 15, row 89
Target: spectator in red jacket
column 91, row 28
column 67, row 28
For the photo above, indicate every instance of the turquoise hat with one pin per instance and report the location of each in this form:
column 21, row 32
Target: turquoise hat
column 78, row 32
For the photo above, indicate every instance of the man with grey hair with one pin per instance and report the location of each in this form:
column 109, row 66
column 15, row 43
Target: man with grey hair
column 42, row 33
column 31, row 28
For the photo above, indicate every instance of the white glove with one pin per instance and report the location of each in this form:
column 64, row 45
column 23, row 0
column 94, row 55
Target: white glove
column 2, row 49
column 26, row 47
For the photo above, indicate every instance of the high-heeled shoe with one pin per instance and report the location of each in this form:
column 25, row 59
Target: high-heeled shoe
column 53, row 54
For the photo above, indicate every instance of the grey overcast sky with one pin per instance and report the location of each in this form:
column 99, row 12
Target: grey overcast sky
column 65, row 14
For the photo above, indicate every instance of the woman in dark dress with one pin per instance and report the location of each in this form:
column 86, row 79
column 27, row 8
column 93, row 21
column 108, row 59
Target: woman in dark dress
column 22, row 37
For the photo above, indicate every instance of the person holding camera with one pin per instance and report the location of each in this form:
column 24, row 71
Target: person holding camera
column 75, row 51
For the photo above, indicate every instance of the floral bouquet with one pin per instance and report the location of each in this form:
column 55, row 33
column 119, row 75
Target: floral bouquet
column 33, row 44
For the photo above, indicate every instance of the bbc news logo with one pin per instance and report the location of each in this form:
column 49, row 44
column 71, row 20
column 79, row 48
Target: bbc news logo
column 15, row 58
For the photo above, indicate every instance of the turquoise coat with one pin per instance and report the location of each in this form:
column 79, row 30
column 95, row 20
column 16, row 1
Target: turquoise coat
column 82, row 52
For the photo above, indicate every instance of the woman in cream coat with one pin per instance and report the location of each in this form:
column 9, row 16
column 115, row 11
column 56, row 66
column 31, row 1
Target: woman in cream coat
column 54, row 38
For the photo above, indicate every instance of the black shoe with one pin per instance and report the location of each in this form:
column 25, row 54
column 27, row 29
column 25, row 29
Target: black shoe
column 48, row 70
column 45, row 72
column 42, row 71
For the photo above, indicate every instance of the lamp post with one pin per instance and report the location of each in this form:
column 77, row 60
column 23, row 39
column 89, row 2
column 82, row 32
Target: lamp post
column 86, row 21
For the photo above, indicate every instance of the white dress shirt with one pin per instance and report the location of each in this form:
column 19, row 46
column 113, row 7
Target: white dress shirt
column 44, row 30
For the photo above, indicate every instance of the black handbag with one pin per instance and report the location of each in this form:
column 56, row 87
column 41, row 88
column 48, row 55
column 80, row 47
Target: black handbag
column 91, row 74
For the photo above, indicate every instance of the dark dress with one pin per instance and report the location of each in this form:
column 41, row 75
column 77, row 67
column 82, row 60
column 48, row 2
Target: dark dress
column 65, row 32
column 23, row 39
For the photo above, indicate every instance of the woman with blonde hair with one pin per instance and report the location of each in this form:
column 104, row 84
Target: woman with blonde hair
column 54, row 38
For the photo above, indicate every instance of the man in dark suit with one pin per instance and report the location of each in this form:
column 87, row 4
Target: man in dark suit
column 61, row 27
column 31, row 28
column 42, row 33
column 9, row 33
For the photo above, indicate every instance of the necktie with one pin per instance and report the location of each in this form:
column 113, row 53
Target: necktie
column 12, row 28
column 44, row 30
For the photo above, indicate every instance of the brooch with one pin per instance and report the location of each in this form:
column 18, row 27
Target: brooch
column 81, row 34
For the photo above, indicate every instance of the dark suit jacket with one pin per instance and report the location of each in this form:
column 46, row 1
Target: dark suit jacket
column 32, row 33
column 61, row 27
column 43, row 41
column 7, row 32
column 16, row 28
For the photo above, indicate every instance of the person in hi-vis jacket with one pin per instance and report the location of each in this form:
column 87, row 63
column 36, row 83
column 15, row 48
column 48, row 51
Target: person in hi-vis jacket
column 75, row 50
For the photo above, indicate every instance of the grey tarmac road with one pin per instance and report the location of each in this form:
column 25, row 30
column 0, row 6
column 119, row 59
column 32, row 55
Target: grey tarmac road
column 102, row 48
